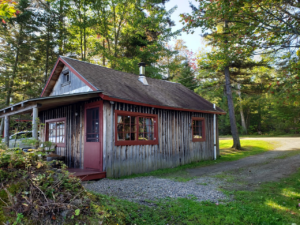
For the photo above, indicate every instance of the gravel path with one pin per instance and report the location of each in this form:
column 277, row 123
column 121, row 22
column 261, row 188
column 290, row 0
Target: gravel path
column 274, row 165
column 151, row 188
column 250, row 172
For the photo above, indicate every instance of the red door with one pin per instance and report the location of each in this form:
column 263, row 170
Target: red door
column 93, row 136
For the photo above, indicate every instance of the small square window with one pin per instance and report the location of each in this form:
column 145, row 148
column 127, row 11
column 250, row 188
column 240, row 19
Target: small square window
column 65, row 78
column 198, row 129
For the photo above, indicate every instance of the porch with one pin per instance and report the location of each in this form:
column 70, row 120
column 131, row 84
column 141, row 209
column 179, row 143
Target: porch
column 72, row 128
column 87, row 174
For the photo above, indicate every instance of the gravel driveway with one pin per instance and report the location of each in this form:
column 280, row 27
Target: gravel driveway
column 151, row 188
column 248, row 173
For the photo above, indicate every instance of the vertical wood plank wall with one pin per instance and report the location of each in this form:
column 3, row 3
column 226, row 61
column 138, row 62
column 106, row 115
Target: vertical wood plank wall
column 74, row 149
column 175, row 142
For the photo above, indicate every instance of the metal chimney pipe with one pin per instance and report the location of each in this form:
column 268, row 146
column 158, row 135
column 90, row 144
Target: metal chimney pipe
column 142, row 68
column 142, row 77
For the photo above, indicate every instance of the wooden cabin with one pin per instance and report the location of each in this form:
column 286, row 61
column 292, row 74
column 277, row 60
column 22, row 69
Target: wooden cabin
column 113, row 124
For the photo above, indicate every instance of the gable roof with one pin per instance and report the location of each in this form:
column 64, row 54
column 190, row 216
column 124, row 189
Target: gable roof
column 126, row 86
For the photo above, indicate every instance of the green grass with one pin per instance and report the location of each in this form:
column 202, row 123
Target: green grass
column 289, row 154
column 251, row 147
column 261, row 135
column 272, row 203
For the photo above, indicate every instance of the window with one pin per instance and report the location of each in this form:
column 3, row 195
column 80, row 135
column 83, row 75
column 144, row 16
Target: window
column 198, row 129
column 92, row 122
column 56, row 131
column 135, row 128
column 66, row 78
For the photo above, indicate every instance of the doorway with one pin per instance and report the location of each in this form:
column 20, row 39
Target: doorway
column 93, row 136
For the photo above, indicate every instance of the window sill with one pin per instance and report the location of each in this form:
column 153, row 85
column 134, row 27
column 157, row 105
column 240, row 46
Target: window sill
column 120, row 143
column 199, row 139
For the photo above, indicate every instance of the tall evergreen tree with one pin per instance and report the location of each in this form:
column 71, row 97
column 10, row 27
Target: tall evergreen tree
column 187, row 77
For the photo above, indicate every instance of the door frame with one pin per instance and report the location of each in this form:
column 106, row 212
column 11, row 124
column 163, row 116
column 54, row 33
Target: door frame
column 89, row 106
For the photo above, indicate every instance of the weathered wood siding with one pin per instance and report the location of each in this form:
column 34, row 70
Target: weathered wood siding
column 175, row 142
column 74, row 131
column 74, row 86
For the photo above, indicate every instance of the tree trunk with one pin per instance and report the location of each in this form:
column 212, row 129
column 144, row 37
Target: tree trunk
column 241, row 111
column 234, row 130
column 61, row 28
column 103, row 55
column 11, row 82
column 47, row 45
column 243, row 119
column 84, row 31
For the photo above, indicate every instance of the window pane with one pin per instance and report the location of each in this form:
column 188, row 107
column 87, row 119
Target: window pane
column 127, row 119
column 133, row 136
column 141, row 136
column 133, row 120
column 127, row 136
column 120, row 128
column 120, row 136
column 197, row 129
column 92, row 125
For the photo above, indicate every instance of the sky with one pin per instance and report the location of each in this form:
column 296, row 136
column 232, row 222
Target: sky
column 193, row 41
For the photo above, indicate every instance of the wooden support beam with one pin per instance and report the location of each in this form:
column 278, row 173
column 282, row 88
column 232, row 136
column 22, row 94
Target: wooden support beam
column 12, row 108
column 35, row 122
column 20, row 110
column 6, row 130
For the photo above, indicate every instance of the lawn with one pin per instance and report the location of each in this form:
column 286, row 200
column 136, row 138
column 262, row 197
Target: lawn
column 250, row 147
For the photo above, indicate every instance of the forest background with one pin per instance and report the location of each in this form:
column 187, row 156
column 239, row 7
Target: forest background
column 254, row 42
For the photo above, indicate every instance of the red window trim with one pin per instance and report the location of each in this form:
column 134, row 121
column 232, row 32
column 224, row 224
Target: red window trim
column 137, row 142
column 47, row 130
column 203, row 129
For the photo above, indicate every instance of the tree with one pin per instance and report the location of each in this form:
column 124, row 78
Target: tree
column 7, row 10
column 187, row 77
column 211, row 17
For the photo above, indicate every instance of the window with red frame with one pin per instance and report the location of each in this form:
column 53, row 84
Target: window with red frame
column 198, row 129
column 135, row 128
column 56, row 131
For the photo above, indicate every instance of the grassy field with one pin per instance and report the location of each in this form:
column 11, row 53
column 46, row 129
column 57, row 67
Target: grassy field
column 250, row 147
column 271, row 203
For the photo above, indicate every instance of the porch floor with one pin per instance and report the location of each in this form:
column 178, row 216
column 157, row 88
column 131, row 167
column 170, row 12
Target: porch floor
column 87, row 174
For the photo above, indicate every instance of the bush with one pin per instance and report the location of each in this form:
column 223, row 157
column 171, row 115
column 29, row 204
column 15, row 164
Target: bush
column 34, row 192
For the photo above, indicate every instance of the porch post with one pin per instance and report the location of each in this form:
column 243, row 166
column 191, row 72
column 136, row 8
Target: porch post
column 35, row 123
column 6, row 130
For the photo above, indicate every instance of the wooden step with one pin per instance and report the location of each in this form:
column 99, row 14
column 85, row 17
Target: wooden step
column 87, row 174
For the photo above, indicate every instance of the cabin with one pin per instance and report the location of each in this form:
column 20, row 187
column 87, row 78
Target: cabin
column 108, row 123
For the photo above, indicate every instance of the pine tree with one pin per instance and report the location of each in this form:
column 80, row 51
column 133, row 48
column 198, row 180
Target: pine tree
column 187, row 76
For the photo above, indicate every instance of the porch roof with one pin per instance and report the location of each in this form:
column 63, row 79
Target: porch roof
column 45, row 103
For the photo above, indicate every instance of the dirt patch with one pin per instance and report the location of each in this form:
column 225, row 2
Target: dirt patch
column 249, row 172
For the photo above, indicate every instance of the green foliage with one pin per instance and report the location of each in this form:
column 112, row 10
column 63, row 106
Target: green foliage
column 7, row 10
column 187, row 77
